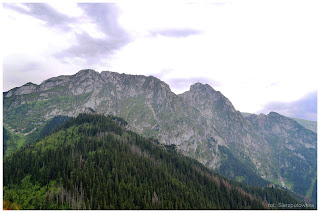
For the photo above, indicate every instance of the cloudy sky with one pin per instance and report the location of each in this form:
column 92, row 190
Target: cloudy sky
column 262, row 55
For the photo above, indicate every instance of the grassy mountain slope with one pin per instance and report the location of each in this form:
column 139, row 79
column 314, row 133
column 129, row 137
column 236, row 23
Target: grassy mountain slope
column 12, row 141
column 92, row 163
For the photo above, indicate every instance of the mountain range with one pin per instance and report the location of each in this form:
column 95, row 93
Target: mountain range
column 202, row 123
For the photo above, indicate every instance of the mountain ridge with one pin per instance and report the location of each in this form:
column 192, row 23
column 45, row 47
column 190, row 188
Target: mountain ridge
column 197, row 121
column 308, row 124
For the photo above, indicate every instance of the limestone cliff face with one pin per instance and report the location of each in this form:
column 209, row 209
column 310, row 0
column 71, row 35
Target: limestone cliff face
column 197, row 121
column 230, row 124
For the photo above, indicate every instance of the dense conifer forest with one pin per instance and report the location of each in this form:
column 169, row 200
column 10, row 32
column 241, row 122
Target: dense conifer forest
column 93, row 162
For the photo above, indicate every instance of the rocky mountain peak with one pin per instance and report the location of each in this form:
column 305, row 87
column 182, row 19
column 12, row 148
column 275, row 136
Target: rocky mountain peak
column 274, row 114
column 86, row 72
column 203, row 96
column 25, row 89
column 30, row 84
column 277, row 119
column 199, row 87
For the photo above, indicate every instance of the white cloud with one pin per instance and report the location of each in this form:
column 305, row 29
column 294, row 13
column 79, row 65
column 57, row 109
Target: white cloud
column 31, row 44
column 67, row 8
column 22, row 6
column 258, row 51
column 29, row 48
column 92, row 30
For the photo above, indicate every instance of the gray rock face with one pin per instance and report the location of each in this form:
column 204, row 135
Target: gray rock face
column 230, row 124
column 197, row 121
column 25, row 89
column 284, row 129
column 147, row 103
column 294, row 151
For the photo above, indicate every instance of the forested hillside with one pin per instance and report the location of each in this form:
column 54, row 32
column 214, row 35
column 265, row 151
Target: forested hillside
column 93, row 163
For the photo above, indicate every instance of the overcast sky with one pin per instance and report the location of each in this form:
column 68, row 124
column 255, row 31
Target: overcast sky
column 262, row 55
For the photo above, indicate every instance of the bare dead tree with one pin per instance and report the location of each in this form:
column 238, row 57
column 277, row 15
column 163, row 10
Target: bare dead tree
column 155, row 199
